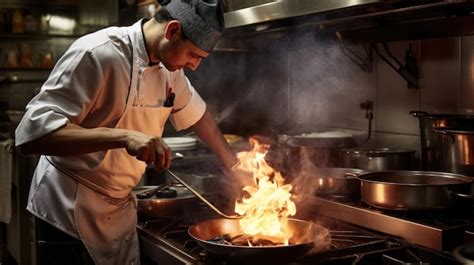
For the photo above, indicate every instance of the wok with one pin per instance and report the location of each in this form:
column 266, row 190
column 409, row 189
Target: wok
column 415, row 190
column 300, row 243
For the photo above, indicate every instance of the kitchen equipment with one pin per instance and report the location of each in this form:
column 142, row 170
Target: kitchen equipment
column 335, row 182
column 457, row 144
column 431, row 148
column 300, row 243
column 208, row 203
column 180, row 143
column 164, row 201
column 465, row 254
column 291, row 153
column 415, row 190
column 377, row 159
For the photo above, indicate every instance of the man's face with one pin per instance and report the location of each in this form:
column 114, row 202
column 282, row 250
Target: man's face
column 178, row 52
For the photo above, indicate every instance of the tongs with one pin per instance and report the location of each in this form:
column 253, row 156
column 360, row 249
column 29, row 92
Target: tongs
column 202, row 198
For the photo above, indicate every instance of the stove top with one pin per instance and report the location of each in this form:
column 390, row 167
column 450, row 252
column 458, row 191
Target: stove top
column 165, row 241
column 437, row 230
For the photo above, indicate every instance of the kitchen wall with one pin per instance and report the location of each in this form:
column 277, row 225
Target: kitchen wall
column 310, row 83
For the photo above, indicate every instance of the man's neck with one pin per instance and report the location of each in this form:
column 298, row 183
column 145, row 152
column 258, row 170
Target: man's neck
column 152, row 36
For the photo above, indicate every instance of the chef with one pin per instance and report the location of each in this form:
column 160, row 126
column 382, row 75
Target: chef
column 98, row 120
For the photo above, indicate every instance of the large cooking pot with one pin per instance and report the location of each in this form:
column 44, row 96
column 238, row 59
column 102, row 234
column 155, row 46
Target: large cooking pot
column 458, row 145
column 170, row 202
column 431, row 150
column 319, row 149
column 377, row 159
column 335, row 182
column 300, row 243
column 415, row 190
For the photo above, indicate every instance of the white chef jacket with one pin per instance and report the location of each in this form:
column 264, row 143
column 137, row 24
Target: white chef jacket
column 89, row 87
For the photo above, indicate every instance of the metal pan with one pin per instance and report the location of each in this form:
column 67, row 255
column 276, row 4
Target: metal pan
column 301, row 242
column 169, row 203
column 336, row 182
column 415, row 190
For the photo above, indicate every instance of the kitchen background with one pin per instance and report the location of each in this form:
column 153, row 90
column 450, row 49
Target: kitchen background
column 258, row 79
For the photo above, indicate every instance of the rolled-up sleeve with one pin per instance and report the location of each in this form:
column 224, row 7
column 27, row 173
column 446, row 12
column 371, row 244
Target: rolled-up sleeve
column 189, row 107
column 65, row 97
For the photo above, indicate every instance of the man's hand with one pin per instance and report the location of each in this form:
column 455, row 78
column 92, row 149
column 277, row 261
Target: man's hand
column 150, row 149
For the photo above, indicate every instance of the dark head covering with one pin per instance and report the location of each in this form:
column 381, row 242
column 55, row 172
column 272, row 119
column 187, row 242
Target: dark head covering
column 202, row 21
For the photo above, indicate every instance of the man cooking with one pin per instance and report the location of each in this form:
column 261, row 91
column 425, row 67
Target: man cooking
column 99, row 117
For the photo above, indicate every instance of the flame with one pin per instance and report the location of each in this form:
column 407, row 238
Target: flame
column 269, row 202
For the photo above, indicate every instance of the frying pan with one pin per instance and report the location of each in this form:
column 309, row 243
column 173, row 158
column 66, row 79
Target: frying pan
column 415, row 190
column 300, row 243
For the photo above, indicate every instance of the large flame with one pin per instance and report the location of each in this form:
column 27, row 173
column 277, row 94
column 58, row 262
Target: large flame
column 268, row 203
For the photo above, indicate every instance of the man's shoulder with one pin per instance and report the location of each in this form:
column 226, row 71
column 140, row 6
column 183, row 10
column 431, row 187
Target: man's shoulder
column 116, row 37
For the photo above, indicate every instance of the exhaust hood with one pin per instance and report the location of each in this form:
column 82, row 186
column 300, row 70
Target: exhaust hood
column 260, row 15
column 241, row 12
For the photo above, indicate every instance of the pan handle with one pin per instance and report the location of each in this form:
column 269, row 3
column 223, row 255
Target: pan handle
column 461, row 197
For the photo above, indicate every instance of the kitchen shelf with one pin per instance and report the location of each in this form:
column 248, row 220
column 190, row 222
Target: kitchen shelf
column 19, row 69
column 6, row 36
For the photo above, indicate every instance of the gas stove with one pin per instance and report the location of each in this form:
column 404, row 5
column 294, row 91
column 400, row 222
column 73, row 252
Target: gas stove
column 354, row 239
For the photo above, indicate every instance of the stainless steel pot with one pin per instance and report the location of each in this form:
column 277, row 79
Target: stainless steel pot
column 431, row 150
column 415, row 190
column 170, row 203
column 377, row 159
column 458, row 146
column 298, row 151
column 301, row 242
column 336, row 182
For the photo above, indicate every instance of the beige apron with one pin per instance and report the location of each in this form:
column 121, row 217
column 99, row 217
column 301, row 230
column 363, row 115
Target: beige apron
column 106, row 218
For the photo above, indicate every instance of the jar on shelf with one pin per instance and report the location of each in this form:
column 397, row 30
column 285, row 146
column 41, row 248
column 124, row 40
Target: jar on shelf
column 17, row 21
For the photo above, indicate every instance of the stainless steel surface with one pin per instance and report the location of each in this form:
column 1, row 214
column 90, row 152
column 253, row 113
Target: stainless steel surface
column 414, row 190
column 261, row 11
column 208, row 203
column 457, row 145
column 377, row 159
column 436, row 230
column 300, row 243
column 280, row 9
column 432, row 153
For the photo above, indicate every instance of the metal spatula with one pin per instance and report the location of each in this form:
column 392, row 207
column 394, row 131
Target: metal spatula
column 202, row 198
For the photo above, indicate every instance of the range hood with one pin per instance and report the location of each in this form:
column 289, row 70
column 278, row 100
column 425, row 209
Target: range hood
column 264, row 14
column 241, row 12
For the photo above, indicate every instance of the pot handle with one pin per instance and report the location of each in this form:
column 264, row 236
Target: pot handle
column 350, row 175
column 461, row 197
column 444, row 131
column 417, row 113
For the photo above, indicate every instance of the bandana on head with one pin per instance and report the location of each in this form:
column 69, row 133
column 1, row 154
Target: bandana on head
column 202, row 21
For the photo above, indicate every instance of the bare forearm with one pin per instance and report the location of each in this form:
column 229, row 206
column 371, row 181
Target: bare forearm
column 207, row 129
column 75, row 140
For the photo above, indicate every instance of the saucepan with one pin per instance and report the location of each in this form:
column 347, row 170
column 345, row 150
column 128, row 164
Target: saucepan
column 164, row 201
column 415, row 190
column 336, row 182
column 300, row 243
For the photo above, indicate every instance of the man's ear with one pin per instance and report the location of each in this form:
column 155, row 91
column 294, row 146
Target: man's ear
column 173, row 29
